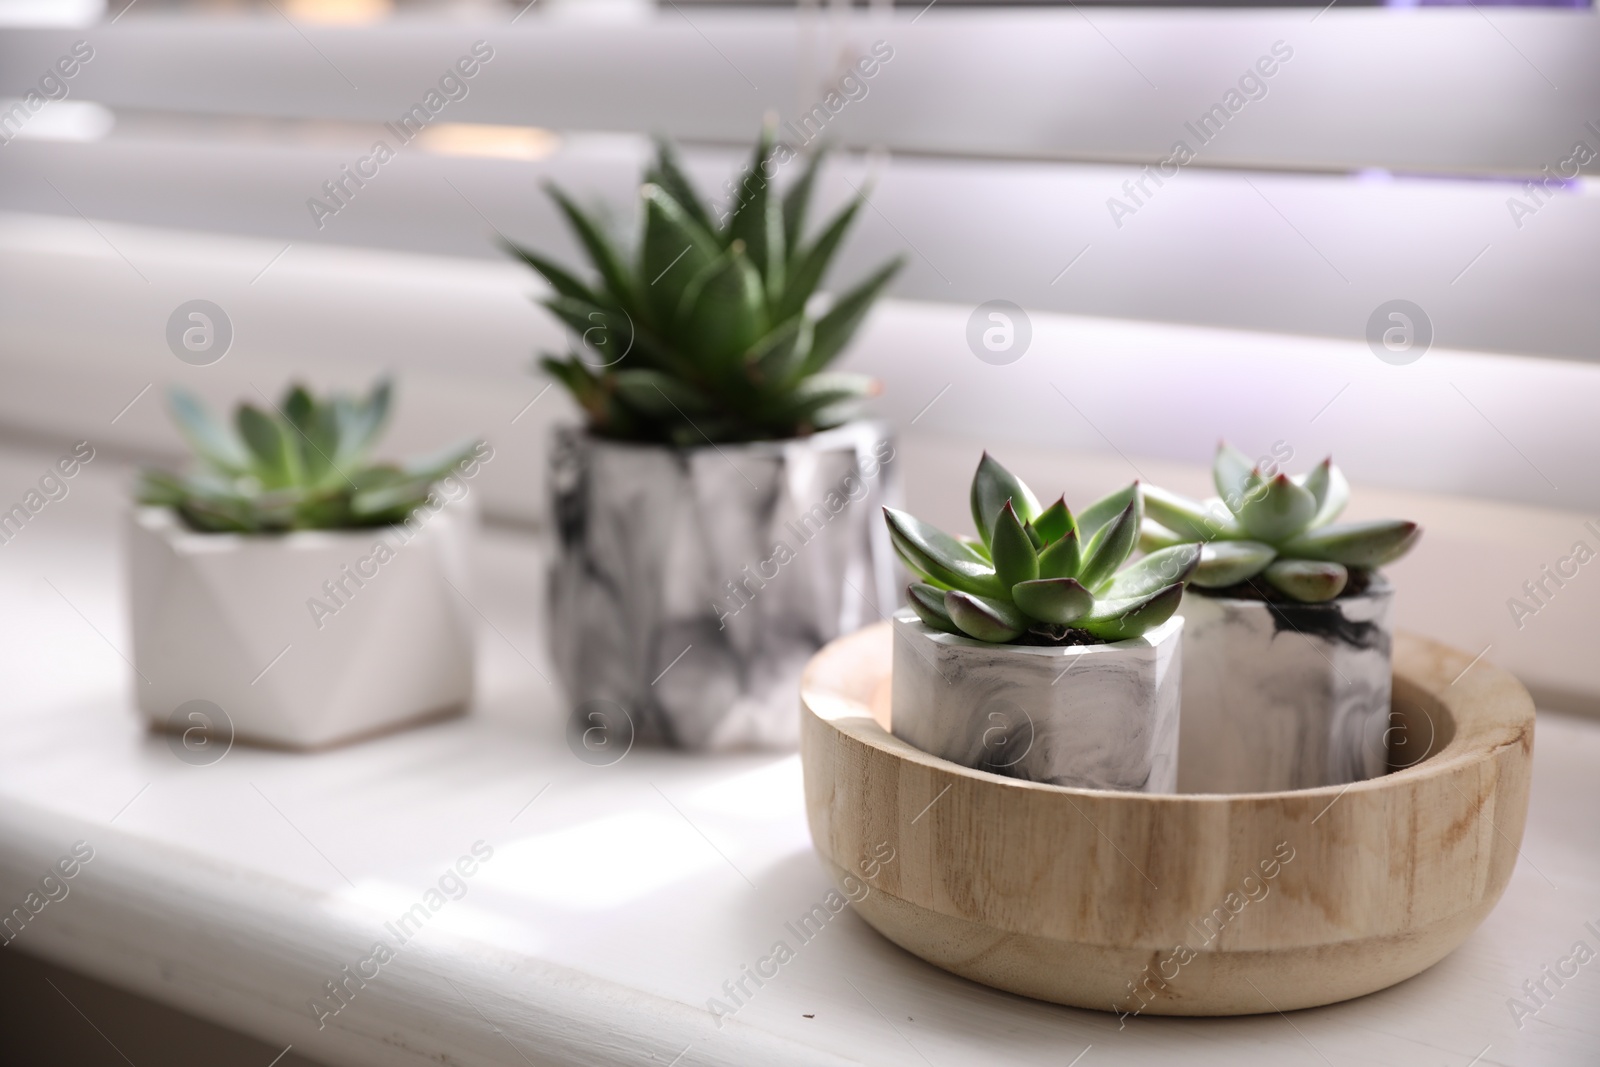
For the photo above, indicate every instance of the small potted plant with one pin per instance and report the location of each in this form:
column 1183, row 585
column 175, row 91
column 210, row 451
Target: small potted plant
column 715, row 517
column 306, row 593
column 1286, row 674
column 1032, row 651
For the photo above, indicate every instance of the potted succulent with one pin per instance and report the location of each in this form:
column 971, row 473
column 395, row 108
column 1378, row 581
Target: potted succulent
column 714, row 517
column 1032, row 651
column 305, row 593
column 1286, row 676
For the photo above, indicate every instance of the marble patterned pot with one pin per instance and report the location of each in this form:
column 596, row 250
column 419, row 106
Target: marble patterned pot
column 690, row 586
column 300, row 640
column 1087, row 716
column 1284, row 696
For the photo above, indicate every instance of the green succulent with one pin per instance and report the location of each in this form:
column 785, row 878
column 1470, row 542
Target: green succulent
column 301, row 466
column 708, row 331
column 1040, row 575
column 1278, row 528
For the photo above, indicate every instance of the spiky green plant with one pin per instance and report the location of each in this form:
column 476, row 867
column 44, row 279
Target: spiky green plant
column 708, row 331
column 1037, row 575
column 301, row 466
column 1277, row 528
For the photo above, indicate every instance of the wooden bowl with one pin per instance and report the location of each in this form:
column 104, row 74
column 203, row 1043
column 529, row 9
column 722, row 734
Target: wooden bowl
column 1221, row 904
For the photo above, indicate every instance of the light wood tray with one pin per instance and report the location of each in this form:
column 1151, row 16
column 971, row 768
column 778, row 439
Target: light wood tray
column 1160, row 903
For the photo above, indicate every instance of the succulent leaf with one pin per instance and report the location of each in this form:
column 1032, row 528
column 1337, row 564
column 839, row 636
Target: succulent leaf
column 1191, row 520
column 810, row 264
column 605, row 333
column 1357, row 544
column 660, row 396
column 939, row 557
column 1054, row 521
column 1307, row 580
column 1061, row 601
column 928, row 602
column 723, row 308
column 1110, row 547
column 1234, row 474
column 977, row 546
column 1154, row 572
column 212, row 441
column 775, row 358
column 992, row 487
column 828, row 391
column 1015, row 559
column 1121, row 620
column 562, row 281
column 985, row 618
column 840, row 323
column 1225, row 563
column 757, row 216
column 668, row 173
column 1316, row 481
column 1331, row 502
column 1277, row 511
column 1153, row 535
column 601, row 253
column 797, row 201
column 274, row 458
column 1062, row 558
column 360, row 422
column 1102, row 511
column 674, row 252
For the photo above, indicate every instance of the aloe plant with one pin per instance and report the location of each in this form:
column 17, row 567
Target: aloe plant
column 1041, row 576
column 708, row 331
column 1277, row 528
column 303, row 465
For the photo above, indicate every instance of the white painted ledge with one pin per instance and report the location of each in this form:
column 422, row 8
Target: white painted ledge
column 615, row 903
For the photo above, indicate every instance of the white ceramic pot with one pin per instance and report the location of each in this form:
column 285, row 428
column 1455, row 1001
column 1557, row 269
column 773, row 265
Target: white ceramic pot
column 1088, row 716
column 1284, row 696
column 304, row 639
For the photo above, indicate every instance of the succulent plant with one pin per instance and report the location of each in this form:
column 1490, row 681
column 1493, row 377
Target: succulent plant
column 301, row 466
column 708, row 332
column 1277, row 528
column 1040, row 576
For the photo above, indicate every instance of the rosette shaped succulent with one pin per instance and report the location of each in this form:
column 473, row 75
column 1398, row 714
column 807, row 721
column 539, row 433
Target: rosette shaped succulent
column 1040, row 575
column 301, row 466
column 708, row 330
column 1276, row 528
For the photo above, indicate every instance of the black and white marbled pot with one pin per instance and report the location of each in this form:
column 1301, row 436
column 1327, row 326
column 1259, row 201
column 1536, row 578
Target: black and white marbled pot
column 691, row 585
column 1284, row 696
column 1088, row 716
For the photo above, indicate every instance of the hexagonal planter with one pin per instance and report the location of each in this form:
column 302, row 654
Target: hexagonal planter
column 303, row 639
column 1101, row 716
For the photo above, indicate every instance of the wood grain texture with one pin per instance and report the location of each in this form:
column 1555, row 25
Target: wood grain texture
column 1163, row 904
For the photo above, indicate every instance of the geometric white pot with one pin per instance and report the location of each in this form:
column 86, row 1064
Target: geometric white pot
column 1088, row 716
column 1283, row 696
column 302, row 639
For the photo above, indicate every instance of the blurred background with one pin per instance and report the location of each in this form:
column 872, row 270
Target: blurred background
column 1205, row 217
column 1386, row 157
